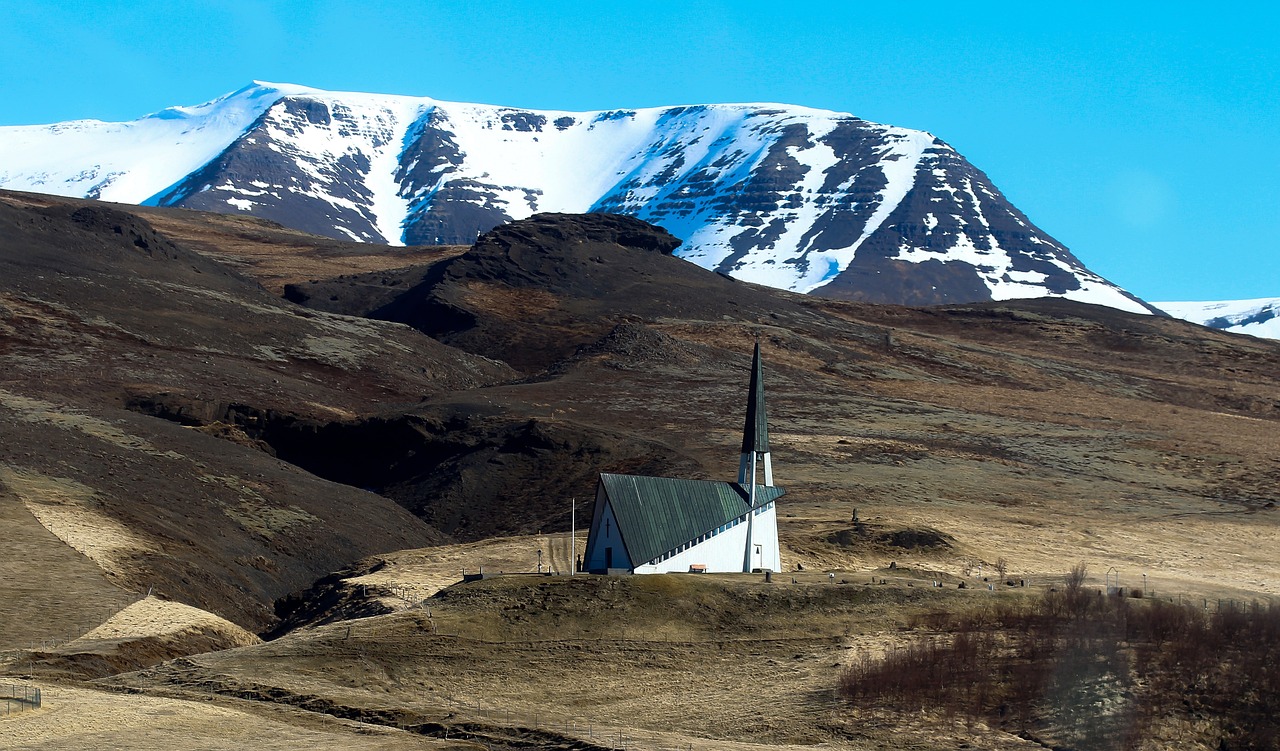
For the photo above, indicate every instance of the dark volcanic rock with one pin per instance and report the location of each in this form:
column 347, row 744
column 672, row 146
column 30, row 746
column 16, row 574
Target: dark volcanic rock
column 465, row 468
column 356, row 294
column 635, row 345
column 548, row 277
column 456, row 212
column 531, row 292
column 873, row 278
column 551, row 252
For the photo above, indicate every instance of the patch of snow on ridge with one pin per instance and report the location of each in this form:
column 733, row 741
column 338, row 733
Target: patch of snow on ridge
column 371, row 127
column 899, row 162
column 1095, row 290
column 569, row 167
column 714, row 140
column 722, row 145
column 762, row 266
column 1257, row 317
column 996, row 267
column 390, row 209
column 131, row 161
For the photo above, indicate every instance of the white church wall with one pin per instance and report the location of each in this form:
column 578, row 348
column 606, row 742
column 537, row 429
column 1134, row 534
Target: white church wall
column 606, row 539
column 719, row 553
column 766, row 535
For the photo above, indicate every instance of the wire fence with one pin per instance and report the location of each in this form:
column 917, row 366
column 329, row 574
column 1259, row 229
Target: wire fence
column 19, row 698
column 50, row 639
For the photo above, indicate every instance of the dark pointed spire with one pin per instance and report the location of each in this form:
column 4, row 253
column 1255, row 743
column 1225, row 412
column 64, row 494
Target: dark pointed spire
column 755, row 436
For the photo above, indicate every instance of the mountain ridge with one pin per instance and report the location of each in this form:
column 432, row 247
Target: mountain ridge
column 797, row 198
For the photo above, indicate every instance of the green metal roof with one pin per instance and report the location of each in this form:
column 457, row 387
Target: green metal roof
column 755, row 436
column 657, row 514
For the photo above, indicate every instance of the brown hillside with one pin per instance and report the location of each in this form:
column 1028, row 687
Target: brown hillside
column 98, row 312
column 167, row 422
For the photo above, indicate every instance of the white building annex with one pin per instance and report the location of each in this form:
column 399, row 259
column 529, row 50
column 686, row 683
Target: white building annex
column 657, row 525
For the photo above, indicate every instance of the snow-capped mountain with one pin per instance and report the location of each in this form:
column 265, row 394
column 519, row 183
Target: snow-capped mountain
column 801, row 199
column 1259, row 317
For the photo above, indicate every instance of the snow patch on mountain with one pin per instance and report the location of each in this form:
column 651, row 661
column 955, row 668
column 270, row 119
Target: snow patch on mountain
column 698, row 153
column 568, row 158
column 901, row 160
column 126, row 162
column 1257, row 317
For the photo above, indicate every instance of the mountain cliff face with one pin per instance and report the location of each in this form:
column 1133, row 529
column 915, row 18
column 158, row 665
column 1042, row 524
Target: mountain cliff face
column 800, row 199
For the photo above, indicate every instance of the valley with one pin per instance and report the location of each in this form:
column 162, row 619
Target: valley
column 259, row 463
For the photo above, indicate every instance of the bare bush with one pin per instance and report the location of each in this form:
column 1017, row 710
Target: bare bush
column 1100, row 673
column 1075, row 578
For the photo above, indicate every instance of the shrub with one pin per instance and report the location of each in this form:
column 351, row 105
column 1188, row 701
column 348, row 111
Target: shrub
column 1103, row 672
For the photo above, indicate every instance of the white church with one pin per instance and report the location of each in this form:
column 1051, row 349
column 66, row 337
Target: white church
column 658, row 525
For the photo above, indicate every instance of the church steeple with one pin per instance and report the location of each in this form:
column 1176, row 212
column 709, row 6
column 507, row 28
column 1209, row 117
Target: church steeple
column 755, row 434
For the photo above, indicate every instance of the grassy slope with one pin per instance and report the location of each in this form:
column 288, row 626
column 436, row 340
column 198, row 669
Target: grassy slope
column 1039, row 434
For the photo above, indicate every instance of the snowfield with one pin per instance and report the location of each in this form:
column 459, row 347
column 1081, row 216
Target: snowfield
column 1258, row 317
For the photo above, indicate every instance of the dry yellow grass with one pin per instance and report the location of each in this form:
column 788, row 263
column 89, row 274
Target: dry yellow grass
column 49, row 590
column 39, row 411
column 707, row 662
column 66, row 508
column 152, row 616
column 79, row 718
column 409, row 576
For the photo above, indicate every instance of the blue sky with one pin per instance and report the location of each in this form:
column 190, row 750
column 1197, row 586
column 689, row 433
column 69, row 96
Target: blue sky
column 1144, row 137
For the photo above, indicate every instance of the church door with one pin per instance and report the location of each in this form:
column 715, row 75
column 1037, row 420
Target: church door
column 608, row 557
